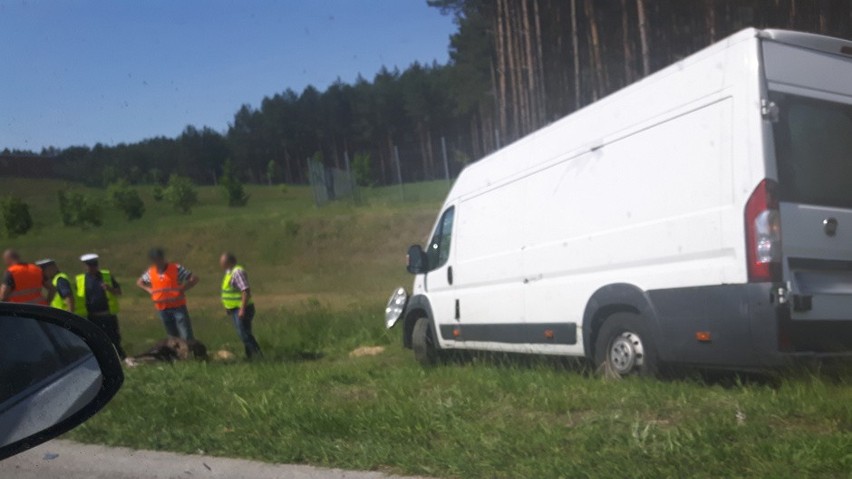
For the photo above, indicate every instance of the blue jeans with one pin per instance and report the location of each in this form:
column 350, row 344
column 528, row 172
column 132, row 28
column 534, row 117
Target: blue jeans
column 177, row 324
column 243, row 327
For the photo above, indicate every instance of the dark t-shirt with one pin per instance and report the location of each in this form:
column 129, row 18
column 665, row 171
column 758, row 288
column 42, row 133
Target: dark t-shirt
column 8, row 280
column 96, row 298
column 63, row 288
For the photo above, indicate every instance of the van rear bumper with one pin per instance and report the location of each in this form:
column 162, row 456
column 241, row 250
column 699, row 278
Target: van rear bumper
column 749, row 328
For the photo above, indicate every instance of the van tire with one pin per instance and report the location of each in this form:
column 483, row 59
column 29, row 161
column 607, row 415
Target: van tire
column 423, row 343
column 625, row 347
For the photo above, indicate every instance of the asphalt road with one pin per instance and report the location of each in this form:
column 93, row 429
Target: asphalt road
column 69, row 460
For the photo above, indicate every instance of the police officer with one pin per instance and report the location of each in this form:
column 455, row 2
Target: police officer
column 22, row 282
column 98, row 291
column 63, row 294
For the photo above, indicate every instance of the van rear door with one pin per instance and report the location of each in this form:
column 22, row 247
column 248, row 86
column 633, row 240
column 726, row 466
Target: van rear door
column 813, row 149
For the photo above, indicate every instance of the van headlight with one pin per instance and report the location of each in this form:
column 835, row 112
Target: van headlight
column 396, row 306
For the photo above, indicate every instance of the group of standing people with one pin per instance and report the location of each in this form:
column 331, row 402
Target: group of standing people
column 94, row 293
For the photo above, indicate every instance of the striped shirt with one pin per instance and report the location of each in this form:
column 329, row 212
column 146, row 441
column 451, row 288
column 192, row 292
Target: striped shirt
column 239, row 280
column 183, row 275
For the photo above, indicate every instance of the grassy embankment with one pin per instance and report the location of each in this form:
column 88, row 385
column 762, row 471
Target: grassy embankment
column 321, row 277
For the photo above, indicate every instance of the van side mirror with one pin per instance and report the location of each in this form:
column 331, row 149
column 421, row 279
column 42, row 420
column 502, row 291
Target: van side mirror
column 56, row 371
column 416, row 260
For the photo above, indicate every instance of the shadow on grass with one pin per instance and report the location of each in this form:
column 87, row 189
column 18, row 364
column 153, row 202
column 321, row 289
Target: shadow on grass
column 834, row 372
column 300, row 356
column 518, row 360
column 830, row 371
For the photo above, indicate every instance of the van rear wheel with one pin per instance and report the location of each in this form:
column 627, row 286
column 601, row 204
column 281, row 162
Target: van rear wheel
column 423, row 343
column 625, row 347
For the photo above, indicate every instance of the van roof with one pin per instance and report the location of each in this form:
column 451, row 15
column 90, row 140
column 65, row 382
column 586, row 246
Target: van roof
column 808, row 40
column 475, row 177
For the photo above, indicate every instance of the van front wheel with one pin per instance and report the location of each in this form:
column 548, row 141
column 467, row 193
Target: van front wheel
column 423, row 343
column 625, row 347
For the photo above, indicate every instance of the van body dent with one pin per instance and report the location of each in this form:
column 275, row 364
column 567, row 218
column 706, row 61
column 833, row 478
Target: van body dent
column 701, row 216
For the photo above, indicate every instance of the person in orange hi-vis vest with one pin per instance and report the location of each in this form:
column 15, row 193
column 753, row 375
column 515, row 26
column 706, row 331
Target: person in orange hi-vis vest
column 167, row 283
column 22, row 282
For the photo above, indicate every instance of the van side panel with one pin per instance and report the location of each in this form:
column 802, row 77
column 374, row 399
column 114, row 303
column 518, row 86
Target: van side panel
column 645, row 188
column 647, row 209
column 489, row 266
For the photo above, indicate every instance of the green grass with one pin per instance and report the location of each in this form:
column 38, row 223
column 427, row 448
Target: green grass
column 321, row 278
column 340, row 254
column 481, row 418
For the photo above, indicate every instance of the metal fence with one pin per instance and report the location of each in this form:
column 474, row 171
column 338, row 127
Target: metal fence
column 408, row 161
column 329, row 184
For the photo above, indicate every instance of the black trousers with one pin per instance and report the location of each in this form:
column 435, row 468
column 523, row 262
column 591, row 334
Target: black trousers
column 109, row 324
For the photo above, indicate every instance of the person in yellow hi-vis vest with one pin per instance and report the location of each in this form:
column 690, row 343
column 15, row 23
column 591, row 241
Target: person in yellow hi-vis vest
column 236, row 298
column 97, row 293
column 63, row 295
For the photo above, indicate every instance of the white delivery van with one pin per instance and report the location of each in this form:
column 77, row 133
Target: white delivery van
column 701, row 216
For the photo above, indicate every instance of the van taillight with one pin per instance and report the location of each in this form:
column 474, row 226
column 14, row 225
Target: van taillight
column 763, row 234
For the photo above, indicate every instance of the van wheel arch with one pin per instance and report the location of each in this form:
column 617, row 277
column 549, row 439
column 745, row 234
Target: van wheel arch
column 613, row 299
column 418, row 307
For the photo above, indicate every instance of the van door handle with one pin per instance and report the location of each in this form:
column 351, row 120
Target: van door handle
column 450, row 275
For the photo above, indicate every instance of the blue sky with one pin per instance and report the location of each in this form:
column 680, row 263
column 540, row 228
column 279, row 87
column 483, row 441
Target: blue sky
column 84, row 71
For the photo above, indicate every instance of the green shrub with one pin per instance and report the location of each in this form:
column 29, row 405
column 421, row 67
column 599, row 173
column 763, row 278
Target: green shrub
column 181, row 193
column 126, row 199
column 109, row 175
column 16, row 216
column 232, row 186
column 155, row 176
column 157, row 193
column 361, row 169
column 292, row 228
column 80, row 209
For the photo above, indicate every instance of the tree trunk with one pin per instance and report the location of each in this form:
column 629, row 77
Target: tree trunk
column 424, row 155
column 575, row 41
column 625, row 38
column 539, row 72
column 288, row 173
column 532, row 82
column 641, row 14
column 334, row 152
column 560, row 80
column 595, row 47
column 513, row 71
column 502, row 101
column 792, row 23
column 430, row 152
column 497, row 105
column 520, row 63
column 710, row 16
column 388, row 166
column 474, row 135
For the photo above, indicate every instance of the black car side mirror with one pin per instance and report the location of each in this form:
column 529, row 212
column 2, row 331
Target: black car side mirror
column 56, row 371
column 417, row 262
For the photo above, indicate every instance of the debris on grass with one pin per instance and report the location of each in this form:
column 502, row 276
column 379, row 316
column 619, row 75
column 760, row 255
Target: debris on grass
column 367, row 351
column 224, row 355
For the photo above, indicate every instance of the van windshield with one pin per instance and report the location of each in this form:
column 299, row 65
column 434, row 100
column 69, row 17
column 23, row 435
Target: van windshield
column 813, row 143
